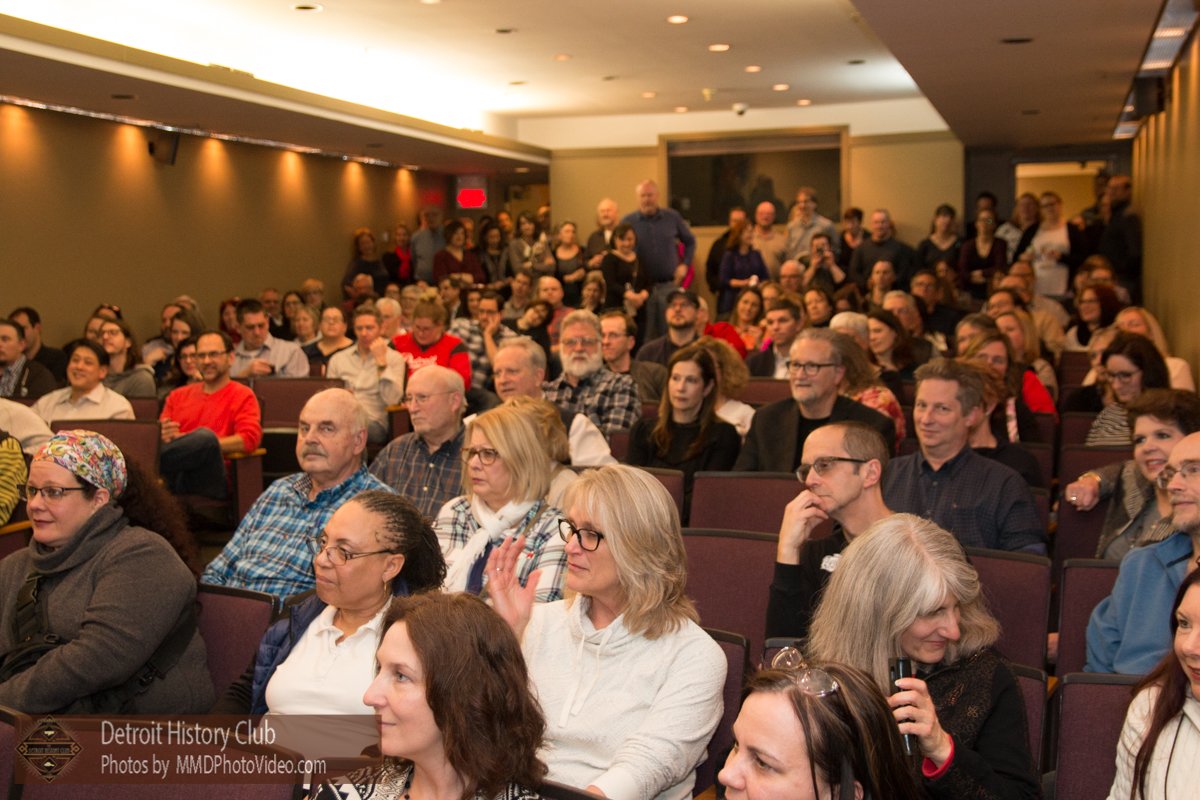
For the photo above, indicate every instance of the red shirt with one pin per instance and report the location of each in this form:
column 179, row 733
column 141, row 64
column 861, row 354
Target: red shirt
column 448, row 351
column 232, row 409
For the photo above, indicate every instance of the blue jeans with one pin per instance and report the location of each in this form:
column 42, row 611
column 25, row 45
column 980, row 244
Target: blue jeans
column 194, row 464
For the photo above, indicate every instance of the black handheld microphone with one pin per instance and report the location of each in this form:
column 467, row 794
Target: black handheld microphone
column 902, row 667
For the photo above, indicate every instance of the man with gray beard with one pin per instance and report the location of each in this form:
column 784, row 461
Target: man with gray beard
column 586, row 385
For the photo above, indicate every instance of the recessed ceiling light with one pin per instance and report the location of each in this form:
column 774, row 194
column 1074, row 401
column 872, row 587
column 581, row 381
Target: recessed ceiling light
column 718, row 47
column 521, row 170
column 123, row 96
column 430, row 2
column 1016, row 40
column 780, row 87
column 677, row 19
column 753, row 68
column 311, row 7
column 562, row 56
column 505, row 31
column 681, row 109
column 649, row 95
column 856, row 61
column 609, row 78
column 804, row 101
column 517, row 83
column 1128, row 109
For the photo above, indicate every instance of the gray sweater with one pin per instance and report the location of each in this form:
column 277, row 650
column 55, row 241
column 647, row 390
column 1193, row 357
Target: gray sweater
column 115, row 592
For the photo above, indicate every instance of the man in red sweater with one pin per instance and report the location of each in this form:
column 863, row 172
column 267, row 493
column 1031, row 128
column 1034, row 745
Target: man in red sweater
column 201, row 422
column 428, row 343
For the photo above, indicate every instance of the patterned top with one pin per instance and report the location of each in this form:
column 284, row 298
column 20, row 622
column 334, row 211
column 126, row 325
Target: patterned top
column 390, row 781
column 269, row 551
column 471, row 334
column 428, row 480
column 1110, row 427
column 882, row 399
column 12, row 475
column 607, row 398
column 544, row 549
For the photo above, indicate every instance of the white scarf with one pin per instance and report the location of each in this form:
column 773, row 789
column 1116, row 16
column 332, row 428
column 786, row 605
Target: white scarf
column 490, row 526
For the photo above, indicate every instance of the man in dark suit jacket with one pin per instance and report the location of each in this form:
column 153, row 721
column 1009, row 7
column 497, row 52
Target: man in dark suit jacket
column 776, row 438
column 783, row 323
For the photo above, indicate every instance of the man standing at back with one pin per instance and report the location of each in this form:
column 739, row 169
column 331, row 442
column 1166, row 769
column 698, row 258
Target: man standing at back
column 882, row 246
column 982, row 502
column 1121, row 241
column 600, row 242
column 426, row 242
column 660, row 231
column 270, row 551
column 203, row 422
column 807, row 223
column 769, row 243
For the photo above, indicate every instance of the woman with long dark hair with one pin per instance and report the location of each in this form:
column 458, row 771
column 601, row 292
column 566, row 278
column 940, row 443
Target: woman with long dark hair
column 687, row 435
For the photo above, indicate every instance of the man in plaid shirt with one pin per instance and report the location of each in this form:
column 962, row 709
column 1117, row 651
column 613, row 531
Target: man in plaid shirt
column 481, row 337
column 588, row 387
column 269, row 551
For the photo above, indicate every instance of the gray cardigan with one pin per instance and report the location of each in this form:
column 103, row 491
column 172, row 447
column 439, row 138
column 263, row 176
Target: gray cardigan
column 115, row 592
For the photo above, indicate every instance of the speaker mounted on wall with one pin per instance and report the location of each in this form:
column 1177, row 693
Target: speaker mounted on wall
column 163, row 147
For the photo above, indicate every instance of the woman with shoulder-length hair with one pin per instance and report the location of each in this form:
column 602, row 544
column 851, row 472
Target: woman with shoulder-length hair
column 862, row 384
column 1132, row 364
column 505, row 479
column 905, row 588
column 630, row 683
column 1158, row 756
column 1012, row 420
column 816, row 731
column 1135, row 319
column 732, row 377
column 455, row 711
column 687, row 435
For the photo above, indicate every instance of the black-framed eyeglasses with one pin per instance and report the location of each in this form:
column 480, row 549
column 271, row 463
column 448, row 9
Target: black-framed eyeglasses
column 1188, row 471
column 487, row 455
column 337, row 554
column 588, row 539
column 809, row 368
column 822, row 465
column 50, row 493
column 1123, row 375
column 812, row 681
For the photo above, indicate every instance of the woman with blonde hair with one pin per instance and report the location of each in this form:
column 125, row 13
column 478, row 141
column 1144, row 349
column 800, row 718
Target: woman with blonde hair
column 506, row 477
column 630, row 683
column 904, row 588
column 1018, row 326
column 553, row 438
column 732, row 377
column 1135, row 319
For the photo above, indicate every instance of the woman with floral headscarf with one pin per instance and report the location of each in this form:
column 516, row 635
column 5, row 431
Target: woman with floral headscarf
column 97, row 614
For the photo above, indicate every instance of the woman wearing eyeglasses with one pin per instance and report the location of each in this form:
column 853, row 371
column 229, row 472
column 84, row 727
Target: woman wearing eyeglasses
column 1132, row 365
column 319, row 658
column 1139, row 511
column 506, row 478
column 629, row 683
column 815, row 731
column 113, row 573
column 904, row 588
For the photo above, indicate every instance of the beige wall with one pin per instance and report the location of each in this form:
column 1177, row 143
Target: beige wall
column 1166, row 169
column 908, row 174
column 88, row 217
column 579, row 179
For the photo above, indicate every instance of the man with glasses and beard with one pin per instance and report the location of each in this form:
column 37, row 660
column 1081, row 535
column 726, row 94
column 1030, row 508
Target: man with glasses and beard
column 588, row 387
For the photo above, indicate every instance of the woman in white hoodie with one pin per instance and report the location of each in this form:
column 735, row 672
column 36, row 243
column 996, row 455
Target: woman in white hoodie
column 630, row 684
